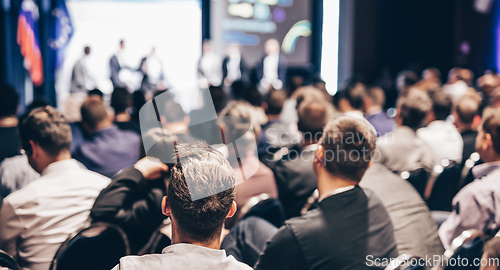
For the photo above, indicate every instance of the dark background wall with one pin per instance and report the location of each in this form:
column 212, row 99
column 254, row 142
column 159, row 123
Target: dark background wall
column 416, row 34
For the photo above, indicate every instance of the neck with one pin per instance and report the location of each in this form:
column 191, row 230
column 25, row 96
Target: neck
column 373, row 109
column 103, row 125
column 9, row 121
column 463, row 127
column 63, row 155
column 179, row 127
column 122, row 117
column 179, row 237
column 328, row 183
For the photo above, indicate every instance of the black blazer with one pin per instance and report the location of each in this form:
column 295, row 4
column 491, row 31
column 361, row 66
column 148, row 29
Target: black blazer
column 282, row 69
column 243, row 69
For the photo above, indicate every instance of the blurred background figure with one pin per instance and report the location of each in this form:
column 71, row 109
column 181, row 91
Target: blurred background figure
column 116, row 64
column 272, row 69
column 81, row 79
column 209, row 66
column 121, row 101
column 153, row 76
column 233, row 66
column 431, row 79
column 374, row 104
column 9, row 137
column 456, row 87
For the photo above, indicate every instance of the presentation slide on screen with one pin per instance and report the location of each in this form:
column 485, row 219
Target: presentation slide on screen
column 173, row 27
column 251, row 22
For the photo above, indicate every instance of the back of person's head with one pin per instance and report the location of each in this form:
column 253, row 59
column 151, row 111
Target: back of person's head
column 406, row 78
column 120, row 100
column 96, row 92
column 313, row 116
column 9, row 101
column 93, row 112
column 413, row 107
column 173, row 112
column 432, row 74
column 37, row 103
column 491, row 125
column 201, row 171
column 441, row 104
column 274, row 102
column 355, row 95
column 377, row 96
column 308, row 92
column 466, row 75
column 467, row 108
column 46, row 127
column 348, row 145
column 237, row 118
column 491, row 254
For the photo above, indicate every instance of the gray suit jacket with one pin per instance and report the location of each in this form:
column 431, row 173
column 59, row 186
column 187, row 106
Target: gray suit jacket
column 414, row 229
column 402, row 150
column 78, row 78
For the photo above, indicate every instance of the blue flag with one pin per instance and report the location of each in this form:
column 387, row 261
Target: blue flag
column 64, row 31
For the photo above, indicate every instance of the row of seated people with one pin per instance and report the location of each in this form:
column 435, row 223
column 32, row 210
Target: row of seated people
column 129, row 203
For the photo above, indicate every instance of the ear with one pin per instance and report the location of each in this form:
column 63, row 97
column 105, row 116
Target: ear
column 232, row 211
column 34, row 149
column 165, row 207
column 476, row 121
column 319, row 155
column 488, row 142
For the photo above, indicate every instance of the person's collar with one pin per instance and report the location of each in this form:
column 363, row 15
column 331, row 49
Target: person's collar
column 186, row 248
column 356, row 114
column 482, row 170
column 63, row 165
column 336, row 191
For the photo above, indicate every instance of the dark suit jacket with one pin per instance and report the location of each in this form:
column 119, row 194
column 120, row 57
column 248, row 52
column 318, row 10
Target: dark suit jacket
column 243, row 69
column 469, row 138
column 132, row 203
column 414, row 228
column 282, row 69
column 382, row 123
column 115, row 67
column 295, row 179
column 341, row 233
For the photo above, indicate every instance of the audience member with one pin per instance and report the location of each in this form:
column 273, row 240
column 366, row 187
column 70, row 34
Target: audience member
column 209, row 66
column 236, row 121
column 133, row 201
column 275, row 134
column 350, row 223
column 475, row 205
column 290, row 106
column 107, row 149
column 294, row 171
column 15, row 173
column 491, row 255
column 196, row 223
column 441, row 135
column 9, row 138
column 351, row 100
column 487, row 83
column 374, row 104
column 431, row 79
column 121, row 100
column 466, row 115
column 414, row 229
column 37, row 219
column 403, row 150
column 405, row 80
column 456, row 87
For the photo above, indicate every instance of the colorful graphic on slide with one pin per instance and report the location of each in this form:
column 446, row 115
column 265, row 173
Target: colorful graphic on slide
column 299, row 29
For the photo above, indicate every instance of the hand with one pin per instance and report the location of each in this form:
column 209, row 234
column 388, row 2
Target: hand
column 151, row 168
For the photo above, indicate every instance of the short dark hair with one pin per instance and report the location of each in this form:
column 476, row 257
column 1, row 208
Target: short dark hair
column 441, row 104
column 275, row 100
column 201, row 171
column 173, row 112
column 377, row 96
column 413, row 107
column 120, row 99
column 95, row 92
column 9, row 101
column 492, row 249
column 491, row 125
column 46, row 127
column 313, row 116
column 93, row 112
column 122, row 41
column 355, row 95
column 467, row 108
column 342, row 137
column 86, row 50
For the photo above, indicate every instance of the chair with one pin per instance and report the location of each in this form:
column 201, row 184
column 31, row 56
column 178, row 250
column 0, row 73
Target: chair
column 418, row 179
column 468, row 245
column 97, row 246
column 159, row 240
column 6, row 261
column 265, row 207
column 445, row 187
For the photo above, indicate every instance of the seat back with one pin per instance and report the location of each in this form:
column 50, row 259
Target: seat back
column 445, row 187
column 418, row 179
column 160, row 239
column 468, row 245
column 265, row 207
column 6, row 261
column 97, row 246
